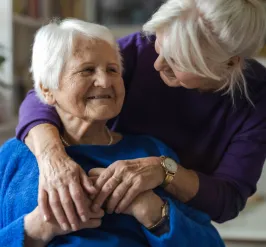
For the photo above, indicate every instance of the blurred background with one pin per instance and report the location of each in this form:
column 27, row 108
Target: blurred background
column 19, row 20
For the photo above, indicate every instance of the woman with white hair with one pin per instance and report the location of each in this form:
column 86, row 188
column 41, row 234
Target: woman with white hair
column 86, row 89
column 205, row 98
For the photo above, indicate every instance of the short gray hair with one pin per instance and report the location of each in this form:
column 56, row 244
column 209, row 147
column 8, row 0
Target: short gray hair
column 201, row 36
column 53, row 45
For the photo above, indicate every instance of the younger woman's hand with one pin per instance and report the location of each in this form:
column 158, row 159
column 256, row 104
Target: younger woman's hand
column 124, row 180
column 64, row 189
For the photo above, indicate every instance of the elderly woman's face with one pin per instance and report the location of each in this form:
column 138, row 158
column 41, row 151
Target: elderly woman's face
column 171, row 76
column 91, row 86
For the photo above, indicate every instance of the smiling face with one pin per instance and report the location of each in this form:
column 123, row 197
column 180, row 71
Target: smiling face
column 174, row 78
column 91, row 86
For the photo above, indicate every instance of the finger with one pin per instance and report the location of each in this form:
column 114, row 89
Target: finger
column 43, row 204
column 80, row 200
column 92, row 223
column 57, row 210
column 93, row 180
column 95, row 171
column 117, row 196
column 127, row 199
column 96, row 215
column 69, row 208
column 104, row 177
column 105, row 192
column 87, row 184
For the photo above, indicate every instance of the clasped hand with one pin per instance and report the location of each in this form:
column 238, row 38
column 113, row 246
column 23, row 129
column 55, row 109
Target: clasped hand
column 119, row 184
column 73, row 197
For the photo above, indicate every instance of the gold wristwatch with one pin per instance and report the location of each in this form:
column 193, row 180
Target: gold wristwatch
column 170, row 167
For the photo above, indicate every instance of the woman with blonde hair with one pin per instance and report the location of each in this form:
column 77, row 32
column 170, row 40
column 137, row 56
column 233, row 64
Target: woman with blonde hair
column 205, row 98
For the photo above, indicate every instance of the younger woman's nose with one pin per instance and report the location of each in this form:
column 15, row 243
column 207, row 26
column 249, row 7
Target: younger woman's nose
column 160, row 63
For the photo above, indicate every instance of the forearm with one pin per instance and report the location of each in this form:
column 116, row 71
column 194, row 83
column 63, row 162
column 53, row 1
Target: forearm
column 214, row 196
column 218, row 198
column 26, row 231
column 36, row 231
column 44, row 138
column 185, row 184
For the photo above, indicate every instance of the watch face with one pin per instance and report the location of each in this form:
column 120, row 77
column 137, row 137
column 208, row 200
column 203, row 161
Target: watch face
column 170, row 165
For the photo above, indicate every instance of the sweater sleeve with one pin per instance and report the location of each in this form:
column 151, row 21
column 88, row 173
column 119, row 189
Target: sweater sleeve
column 33, row 112
column 188, row 227
column 13, row 234
column 224, row 193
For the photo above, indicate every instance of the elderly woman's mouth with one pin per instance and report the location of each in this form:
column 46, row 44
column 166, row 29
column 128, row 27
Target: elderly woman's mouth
column 100, row 97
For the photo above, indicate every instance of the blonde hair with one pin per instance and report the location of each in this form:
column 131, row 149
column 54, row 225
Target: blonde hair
column 202, row 37
column 53, row 45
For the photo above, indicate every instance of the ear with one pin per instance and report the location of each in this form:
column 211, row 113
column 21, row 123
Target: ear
column 233, row 61
column 48, row 95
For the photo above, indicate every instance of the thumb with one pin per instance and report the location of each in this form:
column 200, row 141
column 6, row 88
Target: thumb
column 87, row 184
column 95, row 172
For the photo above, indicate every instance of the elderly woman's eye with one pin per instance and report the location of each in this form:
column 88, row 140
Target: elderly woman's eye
column 114, row 70
column 89, row 70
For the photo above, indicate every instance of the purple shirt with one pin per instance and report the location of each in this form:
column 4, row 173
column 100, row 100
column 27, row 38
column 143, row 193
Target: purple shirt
column 225, row 144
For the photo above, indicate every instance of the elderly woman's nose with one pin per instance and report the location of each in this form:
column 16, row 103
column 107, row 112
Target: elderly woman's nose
column 102, row 80
column 160, row 63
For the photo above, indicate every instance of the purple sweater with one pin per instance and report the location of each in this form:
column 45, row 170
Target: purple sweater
column 225, row 144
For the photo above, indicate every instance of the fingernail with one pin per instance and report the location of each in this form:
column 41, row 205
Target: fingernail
column 83, row 218
column 74, row 227
column 45, row 218
column 117, row 211
column 65, row 227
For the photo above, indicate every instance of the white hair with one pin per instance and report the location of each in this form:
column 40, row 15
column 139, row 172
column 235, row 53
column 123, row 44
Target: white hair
column 202, row 36
column 53, row 45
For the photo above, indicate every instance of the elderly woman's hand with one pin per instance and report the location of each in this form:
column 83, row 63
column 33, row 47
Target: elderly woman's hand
column 39, row 232
column 64, row 186
column 146, row 208
column 123, row 180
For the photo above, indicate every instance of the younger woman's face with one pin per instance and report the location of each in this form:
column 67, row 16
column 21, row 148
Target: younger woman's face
column 174, row 78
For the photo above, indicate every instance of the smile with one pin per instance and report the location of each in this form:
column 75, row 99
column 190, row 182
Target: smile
column 169, row 74
column 100, row 97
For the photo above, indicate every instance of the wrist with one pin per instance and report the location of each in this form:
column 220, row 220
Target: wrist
column 152, row 213
column 36, row 234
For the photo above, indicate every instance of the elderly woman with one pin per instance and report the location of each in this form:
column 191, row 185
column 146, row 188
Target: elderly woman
column 76, row 68
column 207, row 102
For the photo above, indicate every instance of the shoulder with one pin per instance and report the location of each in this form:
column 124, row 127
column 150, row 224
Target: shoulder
column 136, row 39
column 137, row 51
column 255, row 75
column 254, row 116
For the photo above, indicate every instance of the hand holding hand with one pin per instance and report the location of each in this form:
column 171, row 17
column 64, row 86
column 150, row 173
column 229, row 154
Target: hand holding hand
column 124, row 180
column 63, row 186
